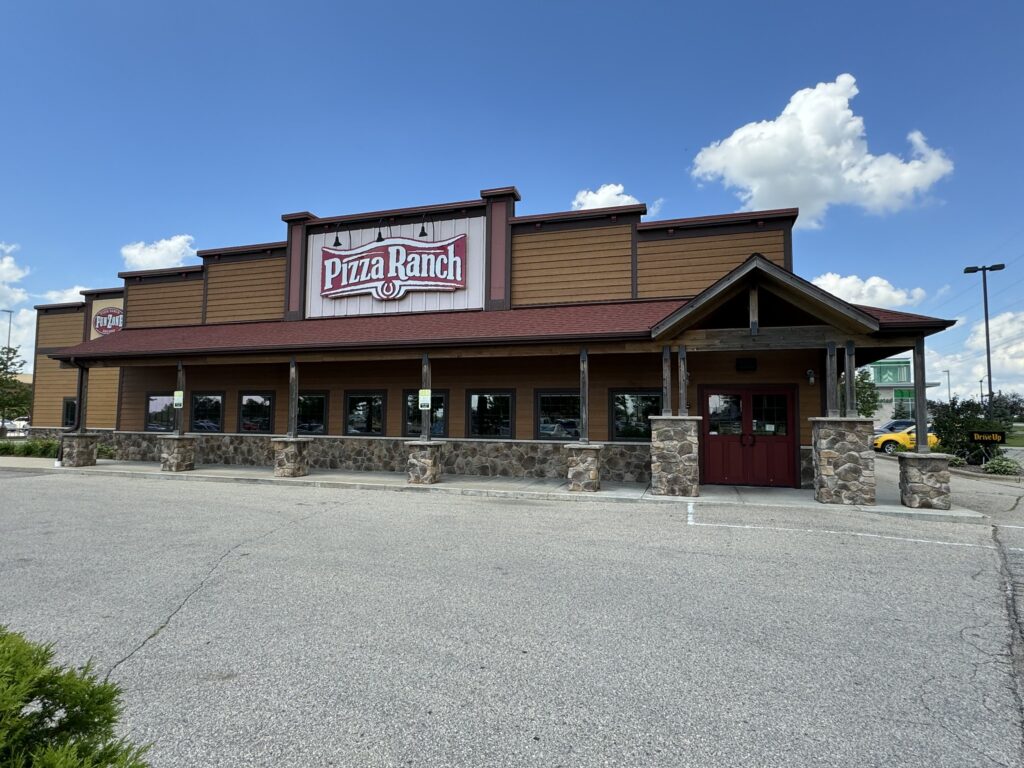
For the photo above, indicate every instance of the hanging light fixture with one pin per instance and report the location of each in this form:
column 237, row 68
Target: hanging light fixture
column 337, row 242
column 380, row 236
column 423, row 226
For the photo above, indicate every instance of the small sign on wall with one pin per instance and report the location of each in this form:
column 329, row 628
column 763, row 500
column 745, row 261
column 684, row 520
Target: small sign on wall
column 424, row 399
column 179, row 398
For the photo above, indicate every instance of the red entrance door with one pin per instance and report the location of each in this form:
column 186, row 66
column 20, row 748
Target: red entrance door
column 749, row 436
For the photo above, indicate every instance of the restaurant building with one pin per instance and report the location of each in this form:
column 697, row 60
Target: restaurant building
column 587, row 344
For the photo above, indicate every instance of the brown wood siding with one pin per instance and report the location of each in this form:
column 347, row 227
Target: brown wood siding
column 245, row 290
column 136, row 384
column 685, row 266
column 151, row 305
column 51, row 384
column 101, row 401
column 59, row 329
column 593, row 264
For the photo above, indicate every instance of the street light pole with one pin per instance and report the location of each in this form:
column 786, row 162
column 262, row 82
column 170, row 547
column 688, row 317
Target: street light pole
column 949, row 388
column 984, row 289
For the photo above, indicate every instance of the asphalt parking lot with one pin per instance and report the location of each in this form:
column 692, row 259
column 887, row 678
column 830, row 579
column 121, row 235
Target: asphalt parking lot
column 294, row 626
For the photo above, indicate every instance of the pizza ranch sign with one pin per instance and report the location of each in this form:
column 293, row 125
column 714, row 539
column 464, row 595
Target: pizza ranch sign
column 387, row 270
column 108, row 320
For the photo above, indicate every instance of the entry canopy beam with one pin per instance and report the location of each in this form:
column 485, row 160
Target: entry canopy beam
column 831, row 381
column 666, row 380
column 850, row 371
column 767, row 274
column 684, row 379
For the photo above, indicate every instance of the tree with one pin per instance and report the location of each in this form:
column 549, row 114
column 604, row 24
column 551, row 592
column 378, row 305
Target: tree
column 56, row 717
column 15, row 396
column 866, row 393
column 901, row 411
column 1008, row 406
column 953, row 423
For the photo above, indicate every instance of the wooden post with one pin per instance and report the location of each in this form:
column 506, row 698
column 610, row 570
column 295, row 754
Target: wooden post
column 850, row 369
column 920, row 399
column 754, row 320
column 831, row 380
column 683, row 380
column 179, row 413
column 425, row 384
column 293, row 398
column 81, row 408
column 666, row 380
column 584, row 396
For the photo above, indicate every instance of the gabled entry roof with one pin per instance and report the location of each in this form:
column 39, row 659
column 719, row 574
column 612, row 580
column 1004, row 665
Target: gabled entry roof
column 787, row 285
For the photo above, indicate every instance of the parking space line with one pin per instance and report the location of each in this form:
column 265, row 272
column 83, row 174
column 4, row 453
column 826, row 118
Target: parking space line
column 691, row 519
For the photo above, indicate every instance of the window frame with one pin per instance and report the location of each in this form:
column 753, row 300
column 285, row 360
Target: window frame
column 469, row 413
column 242, row 393
column 145, row 424
column 192, row 411
column 537, row 394
column 446, row 394
column 326, row 394
column 63, row 412
column 611, row 411
column 383, row 411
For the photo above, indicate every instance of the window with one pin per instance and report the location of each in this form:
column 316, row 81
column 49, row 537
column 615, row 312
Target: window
column 491, row 414
column 364, row 412
column 631, row 412
column 207, row 412
column 413, row 423
column 160, row 412
column 312, row 413
column 68, row 412
column 557, row 415
column 256, row 412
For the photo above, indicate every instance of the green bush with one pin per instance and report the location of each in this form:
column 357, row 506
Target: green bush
column 56, row 717
column 31, row 447
column 105, row 452
column 953, row 423
column 957, row 461
column 1001, row 465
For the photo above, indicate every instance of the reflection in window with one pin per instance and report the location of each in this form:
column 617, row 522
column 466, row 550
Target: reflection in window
column 725, row 415
column 256, row 412
column 364, row 413
column 631, row 414
column 68, row 412
column 438, row 414
column 558, row 416
column 312, row 414
column 770, row 415
column 490, row 414
column 160, row 413
column 207, row 412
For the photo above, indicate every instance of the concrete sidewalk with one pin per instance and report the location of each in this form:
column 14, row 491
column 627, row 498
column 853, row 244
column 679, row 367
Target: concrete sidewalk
column 544, row 489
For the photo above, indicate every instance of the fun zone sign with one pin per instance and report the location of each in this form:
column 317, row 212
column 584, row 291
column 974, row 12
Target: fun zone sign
column 387, row 270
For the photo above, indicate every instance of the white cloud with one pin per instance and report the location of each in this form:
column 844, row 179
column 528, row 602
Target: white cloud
column 967, row 366
column 606, row 196
column 814, row 155
column 655, row 208
column 874, row 291
column 169, row 252
column 65, row 295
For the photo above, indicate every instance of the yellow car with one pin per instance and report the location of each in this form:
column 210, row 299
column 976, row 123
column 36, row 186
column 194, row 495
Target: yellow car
column 905, row 438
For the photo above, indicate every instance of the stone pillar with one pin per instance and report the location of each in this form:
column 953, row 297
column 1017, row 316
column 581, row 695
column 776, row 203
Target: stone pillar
column 584, row 466
column 424, row 461
column 924, row 480
column 291, row 457
column 675, row 455
column 78, row 449
column 844, row 461
column 177, row 453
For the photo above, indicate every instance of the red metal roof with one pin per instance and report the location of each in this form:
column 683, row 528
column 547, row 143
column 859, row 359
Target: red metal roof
column 892, row 318
column 533, row 324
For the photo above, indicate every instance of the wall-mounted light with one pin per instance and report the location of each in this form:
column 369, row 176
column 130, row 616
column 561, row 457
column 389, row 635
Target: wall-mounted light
column 810, row 377
column 380, row 235
column 337, row 242
column 423, row 226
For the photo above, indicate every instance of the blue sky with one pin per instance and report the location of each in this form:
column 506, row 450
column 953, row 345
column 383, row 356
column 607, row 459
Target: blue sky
column 138, row 122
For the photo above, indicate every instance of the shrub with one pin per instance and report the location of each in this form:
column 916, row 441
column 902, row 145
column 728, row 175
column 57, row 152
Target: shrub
column 1001, row 465
column 56, row 717
column 953, row 423
column 957, row 461
column 105, row 452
